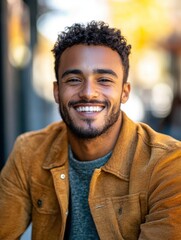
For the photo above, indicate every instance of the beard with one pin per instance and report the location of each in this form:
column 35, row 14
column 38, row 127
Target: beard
column 90, row 132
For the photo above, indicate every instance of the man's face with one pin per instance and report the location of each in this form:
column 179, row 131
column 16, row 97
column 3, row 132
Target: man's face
column 90, row 89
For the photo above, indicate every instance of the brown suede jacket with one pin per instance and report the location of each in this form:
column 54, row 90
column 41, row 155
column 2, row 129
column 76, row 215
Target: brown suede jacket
column 136, row 195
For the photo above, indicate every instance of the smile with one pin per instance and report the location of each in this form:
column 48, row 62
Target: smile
column 89, row 109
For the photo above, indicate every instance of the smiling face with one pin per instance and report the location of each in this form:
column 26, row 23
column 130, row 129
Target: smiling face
column 90, row 90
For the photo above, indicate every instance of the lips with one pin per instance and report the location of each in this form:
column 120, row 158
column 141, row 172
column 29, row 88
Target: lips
column 84, row 106
column 89, row 109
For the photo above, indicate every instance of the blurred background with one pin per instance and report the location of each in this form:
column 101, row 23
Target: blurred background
column 28, row 31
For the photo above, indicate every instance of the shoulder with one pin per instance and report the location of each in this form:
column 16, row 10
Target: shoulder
column 147, row 137
column 148, row 144
column 156, row 140
column 39, row 140
column 163, row 152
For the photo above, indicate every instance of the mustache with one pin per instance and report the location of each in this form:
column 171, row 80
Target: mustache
column 72, row 103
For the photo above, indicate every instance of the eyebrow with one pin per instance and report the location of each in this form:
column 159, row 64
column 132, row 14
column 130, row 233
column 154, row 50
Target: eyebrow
column 95, row 71
column 71, row 71
column 105, row 71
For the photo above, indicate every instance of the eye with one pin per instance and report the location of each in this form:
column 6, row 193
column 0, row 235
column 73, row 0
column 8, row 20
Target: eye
column 73, row 81
column 105, row 81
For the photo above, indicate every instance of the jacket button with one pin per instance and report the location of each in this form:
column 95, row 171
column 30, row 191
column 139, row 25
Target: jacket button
column 62, row 176
column 39, row 203
column 120, row 211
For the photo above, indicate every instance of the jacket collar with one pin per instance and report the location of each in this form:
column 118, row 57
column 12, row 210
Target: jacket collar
column 124, row 150
column 118, row 164
column 58, row 150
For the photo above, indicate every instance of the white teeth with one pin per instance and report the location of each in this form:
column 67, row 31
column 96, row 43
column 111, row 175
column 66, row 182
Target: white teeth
column 89, row 109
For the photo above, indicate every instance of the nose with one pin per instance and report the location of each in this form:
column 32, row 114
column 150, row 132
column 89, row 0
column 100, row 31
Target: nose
column 88, row 90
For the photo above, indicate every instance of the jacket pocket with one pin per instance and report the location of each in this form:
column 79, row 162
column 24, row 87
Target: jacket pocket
column 119, row 217
column 44, row 199
column 130, row 212
column 46, row 217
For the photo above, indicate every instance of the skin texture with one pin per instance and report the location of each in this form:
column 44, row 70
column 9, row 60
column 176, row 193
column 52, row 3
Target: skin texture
column 91, row 76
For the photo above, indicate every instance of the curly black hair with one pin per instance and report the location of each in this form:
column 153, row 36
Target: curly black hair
column 94, row 33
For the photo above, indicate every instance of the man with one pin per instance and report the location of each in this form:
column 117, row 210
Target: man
column 97, row 174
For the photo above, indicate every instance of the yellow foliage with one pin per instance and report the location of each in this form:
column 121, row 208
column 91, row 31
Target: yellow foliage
column 143, row 22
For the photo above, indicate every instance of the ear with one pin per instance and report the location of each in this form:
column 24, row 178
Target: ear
column 56, row 92
column 125, row 92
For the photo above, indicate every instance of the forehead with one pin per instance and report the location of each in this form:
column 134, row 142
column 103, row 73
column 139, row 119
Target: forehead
column 90, row 57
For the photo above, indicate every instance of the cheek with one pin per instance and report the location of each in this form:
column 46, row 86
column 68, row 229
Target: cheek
column 65, row 96
column 67, row 91
column 62, row 99
column 114, row 96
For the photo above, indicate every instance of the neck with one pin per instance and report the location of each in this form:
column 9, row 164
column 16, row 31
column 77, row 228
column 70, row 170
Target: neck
column 91, row 149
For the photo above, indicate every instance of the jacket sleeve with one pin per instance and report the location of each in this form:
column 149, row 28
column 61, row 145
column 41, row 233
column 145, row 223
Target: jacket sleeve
column 15, row 206
column 163, row 220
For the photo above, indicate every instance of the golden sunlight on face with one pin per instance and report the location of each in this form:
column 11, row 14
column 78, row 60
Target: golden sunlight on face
column 90, row 88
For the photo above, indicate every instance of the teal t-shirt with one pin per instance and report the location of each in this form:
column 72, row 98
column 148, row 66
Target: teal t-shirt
column 80, row 224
